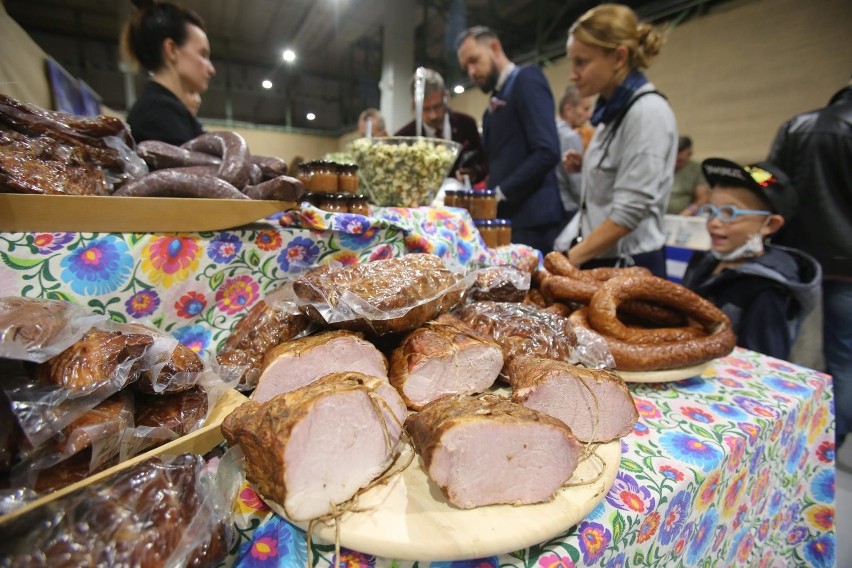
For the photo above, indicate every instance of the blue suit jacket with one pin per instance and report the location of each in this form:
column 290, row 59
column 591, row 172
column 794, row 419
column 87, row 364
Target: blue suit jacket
column 520, row 141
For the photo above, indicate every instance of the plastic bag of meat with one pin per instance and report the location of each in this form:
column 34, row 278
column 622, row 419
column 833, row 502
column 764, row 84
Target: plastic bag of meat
column 500, row 284
column 269, row 322
column 33, row 329
column 383, row 296
column 526, row 330
column 158, row 513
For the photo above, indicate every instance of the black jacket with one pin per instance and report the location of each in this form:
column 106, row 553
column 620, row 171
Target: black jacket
column 159, row 115
column 766, row 297
column 815, row 150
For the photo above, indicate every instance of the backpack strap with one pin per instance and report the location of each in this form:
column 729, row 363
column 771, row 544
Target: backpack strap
column 619, row 118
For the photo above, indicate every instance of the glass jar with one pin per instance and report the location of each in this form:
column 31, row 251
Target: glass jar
column 463, row 198
column 323, row 177
column 483, row 204
column 359, row 204
column 451, row 197
column 504, row 232
column 347, row 178
column 488, row 231
column 304, row 170
column 333, row 202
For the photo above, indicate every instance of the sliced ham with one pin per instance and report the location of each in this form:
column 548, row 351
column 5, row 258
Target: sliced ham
column 487, row 450
column 594, row 403
column 317, row 446
column 294, row 364
column 444, row 357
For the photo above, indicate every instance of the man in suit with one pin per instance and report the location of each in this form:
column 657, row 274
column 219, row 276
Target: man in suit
column 519, row 137
column 439, row 121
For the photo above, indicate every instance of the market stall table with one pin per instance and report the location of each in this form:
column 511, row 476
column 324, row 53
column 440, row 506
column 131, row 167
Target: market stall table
column 197, row 285
column 731, row 468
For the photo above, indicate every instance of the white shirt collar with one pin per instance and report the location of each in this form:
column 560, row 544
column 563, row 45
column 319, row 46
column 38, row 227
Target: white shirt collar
column 504, row 75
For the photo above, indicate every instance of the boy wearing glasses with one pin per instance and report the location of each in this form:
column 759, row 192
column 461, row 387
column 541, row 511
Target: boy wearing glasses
column 766, row 290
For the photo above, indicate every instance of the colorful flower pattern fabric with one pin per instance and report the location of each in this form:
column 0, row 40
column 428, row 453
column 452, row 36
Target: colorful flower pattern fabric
column 731, row 468
column 197, row 286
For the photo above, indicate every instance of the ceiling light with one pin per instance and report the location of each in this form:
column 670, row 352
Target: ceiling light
column 311, row 116
column 289, row 55
column 458, row 89
column 266, row 84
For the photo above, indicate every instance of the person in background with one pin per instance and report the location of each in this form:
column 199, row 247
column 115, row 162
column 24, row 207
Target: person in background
column 629, row 165
column 170, row 44
column 586, row 130
column 519, row 138
column 815, row 150
column 372, row 123
column 439, row 121
column 689, row 189
column 765, row 290
column 573, row 112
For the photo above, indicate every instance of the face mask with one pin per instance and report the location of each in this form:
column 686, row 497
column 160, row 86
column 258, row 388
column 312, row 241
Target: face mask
column 751, row 248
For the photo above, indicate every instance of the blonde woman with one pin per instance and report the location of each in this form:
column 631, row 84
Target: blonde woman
column 628, row 167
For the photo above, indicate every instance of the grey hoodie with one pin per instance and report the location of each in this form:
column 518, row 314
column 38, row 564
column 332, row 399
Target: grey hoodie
column 766, row 297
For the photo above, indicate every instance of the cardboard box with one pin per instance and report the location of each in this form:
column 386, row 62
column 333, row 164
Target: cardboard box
column 199, row 442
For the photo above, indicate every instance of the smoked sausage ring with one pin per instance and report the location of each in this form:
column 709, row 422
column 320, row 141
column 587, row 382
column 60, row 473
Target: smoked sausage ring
column 658, row 357
column 603, row 309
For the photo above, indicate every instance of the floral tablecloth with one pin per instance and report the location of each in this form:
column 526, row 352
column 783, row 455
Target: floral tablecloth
column 732, row 468
column 196, row 286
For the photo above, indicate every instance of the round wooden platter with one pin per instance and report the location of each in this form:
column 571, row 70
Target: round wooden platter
column 665, row 376
column 408, row 518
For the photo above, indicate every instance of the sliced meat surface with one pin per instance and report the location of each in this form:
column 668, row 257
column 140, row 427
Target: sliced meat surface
column 294, row 364
column 487, row 450
column 594, row 403
column 446, row 356
column 313, row 448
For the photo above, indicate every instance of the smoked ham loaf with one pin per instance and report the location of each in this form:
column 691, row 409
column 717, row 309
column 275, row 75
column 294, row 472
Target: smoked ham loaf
column 384, row 296
column 294, row 364
column 444, row 357
column 487, row 450
column 594, row 403
column 315, row 447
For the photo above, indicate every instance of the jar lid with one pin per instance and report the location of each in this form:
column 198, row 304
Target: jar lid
column 483, row 223
column 502, row 222
column 358, row 196
column 484, row 192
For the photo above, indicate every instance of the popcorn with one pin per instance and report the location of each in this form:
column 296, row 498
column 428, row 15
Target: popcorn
column 402, row 171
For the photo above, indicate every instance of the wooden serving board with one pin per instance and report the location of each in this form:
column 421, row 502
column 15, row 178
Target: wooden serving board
column 109, row 214
column 408, row 518
column 666, row 376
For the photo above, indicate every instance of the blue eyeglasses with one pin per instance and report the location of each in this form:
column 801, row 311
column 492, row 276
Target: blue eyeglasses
column 727, row 213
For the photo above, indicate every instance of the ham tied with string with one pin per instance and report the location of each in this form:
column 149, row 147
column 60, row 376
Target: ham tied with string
column 594, row 403
column 315, row 448
column 488, row 450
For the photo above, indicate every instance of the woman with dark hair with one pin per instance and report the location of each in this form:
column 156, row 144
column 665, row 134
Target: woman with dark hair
column 169, row 42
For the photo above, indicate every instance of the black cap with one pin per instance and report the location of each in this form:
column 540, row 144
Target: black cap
column 765, row 179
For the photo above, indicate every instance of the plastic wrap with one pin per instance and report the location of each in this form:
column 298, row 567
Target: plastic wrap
column 500, row 284
column 525, row 330
column 384, row 296
column 33, row 329
column 270, row 321
column 157, row 513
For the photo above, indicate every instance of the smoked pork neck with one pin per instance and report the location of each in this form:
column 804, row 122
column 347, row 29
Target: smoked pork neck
column 488, row 450
column 315, row 447
column 594, row 403
column 444, row 357
column 294, row 364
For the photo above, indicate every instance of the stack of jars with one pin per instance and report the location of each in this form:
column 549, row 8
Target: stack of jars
column 482, row 205
column 333, row 187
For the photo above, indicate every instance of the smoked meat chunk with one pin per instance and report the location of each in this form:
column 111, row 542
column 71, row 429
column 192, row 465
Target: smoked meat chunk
column 594, row 403
column 487, row 450
column 313, row 448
